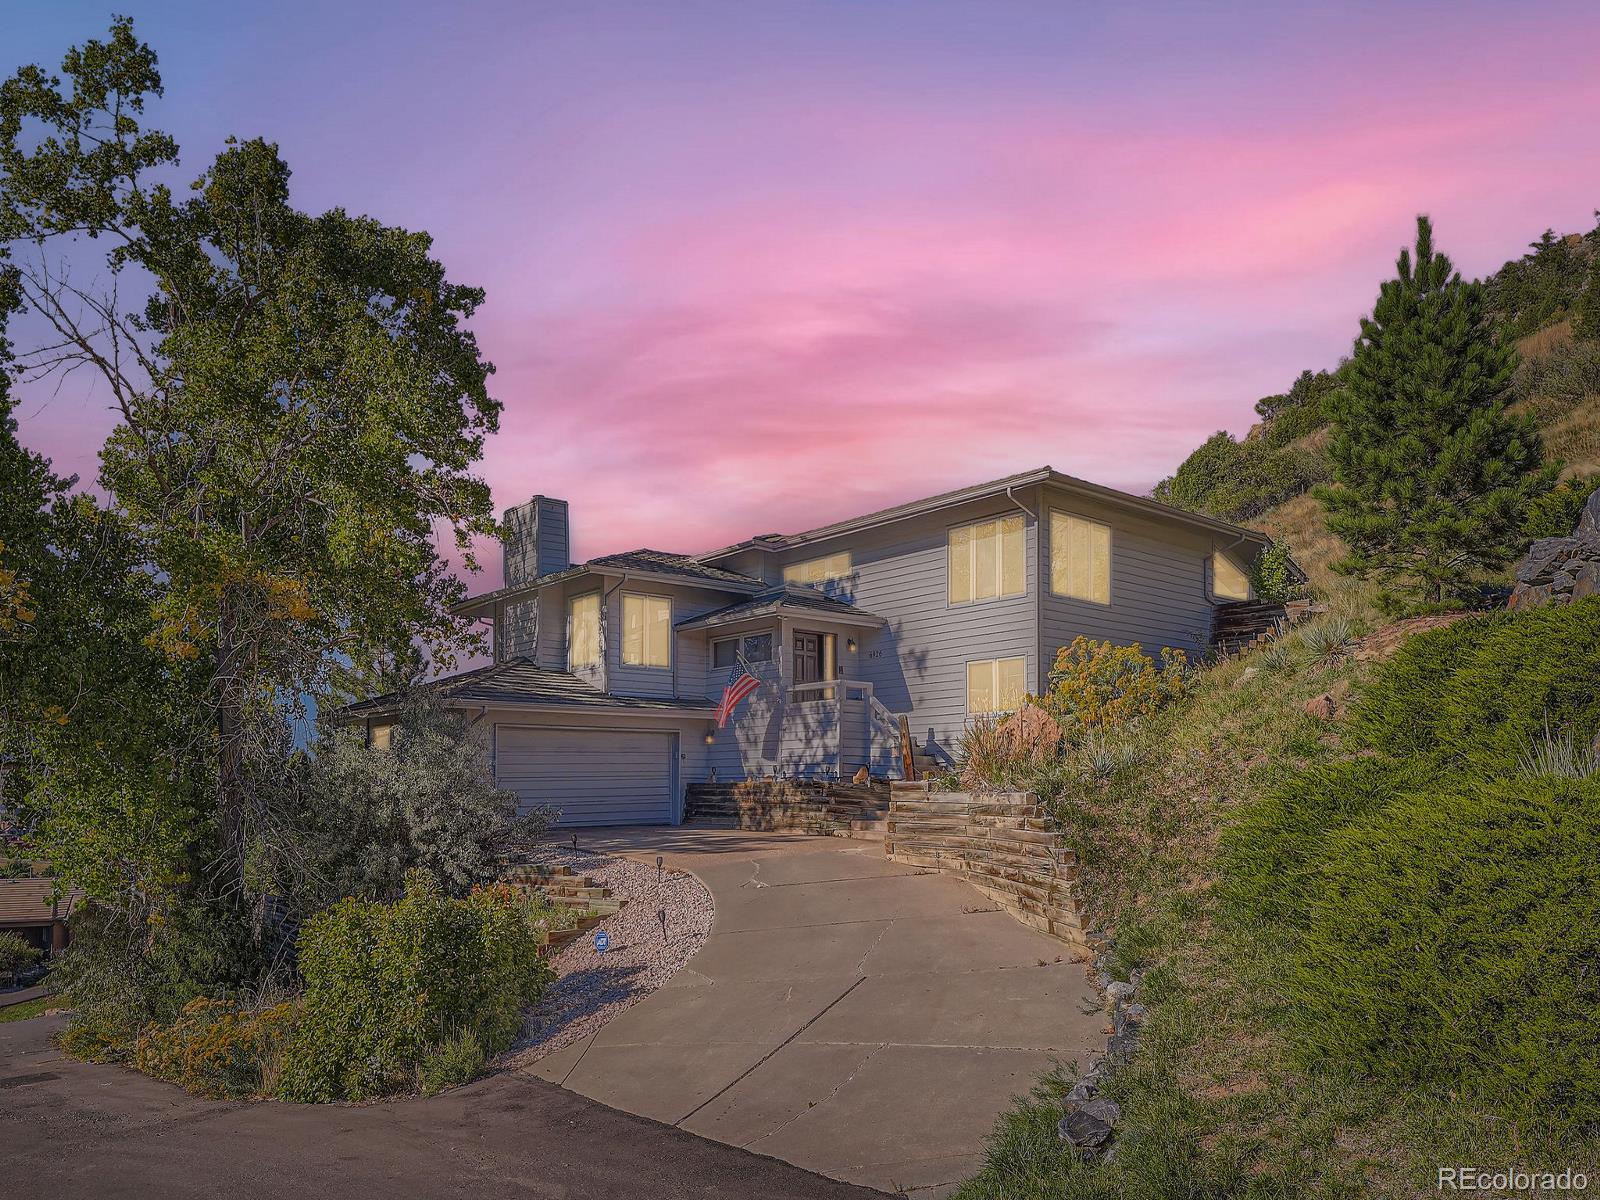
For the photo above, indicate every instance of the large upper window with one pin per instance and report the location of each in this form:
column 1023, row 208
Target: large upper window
column 987, row 560
column 996, row 684
column 583, row 631
column 819, row 570
column 646, row 631
column 1080, row 558
column 1227, row 580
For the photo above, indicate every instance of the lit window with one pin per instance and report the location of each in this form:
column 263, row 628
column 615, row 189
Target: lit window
column 819, row 570
column 987, row 560
column 1080, row 558
column 996, row 684
column 1227, row 580
column 646, row 631
column 583, row 631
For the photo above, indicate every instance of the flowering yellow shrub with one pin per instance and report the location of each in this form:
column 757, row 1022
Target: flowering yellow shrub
column 1102, row 685
column 217, row 1049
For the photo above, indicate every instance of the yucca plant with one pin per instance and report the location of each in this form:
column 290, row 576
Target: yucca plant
column 1104, row 757
column 1278, row 655
column 1328, row 642
column 1557, row 753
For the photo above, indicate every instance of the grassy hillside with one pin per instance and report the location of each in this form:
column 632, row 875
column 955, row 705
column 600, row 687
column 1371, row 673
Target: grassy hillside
column 1224, row 1098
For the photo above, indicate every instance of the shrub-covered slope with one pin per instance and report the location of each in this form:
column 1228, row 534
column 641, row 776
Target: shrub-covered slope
column 1364, row 948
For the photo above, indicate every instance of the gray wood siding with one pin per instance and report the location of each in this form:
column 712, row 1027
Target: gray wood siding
column 1158, row 586
column 918, row 663
column 687, row 675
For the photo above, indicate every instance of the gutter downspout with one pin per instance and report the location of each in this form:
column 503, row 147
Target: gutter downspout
column 605, row 641
column 1038, row 597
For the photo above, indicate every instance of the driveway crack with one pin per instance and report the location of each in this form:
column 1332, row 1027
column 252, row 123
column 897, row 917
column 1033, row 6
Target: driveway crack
column 759, row 1063
column 832, row 1092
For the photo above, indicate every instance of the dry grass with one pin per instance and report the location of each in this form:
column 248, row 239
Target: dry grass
column 1574, row 439
column 1298, row 524
column 1542, row 341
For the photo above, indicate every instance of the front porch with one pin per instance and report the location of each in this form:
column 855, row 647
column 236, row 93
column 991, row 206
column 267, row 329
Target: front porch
column 813, row 717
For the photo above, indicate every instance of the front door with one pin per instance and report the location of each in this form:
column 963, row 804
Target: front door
column 807, row 658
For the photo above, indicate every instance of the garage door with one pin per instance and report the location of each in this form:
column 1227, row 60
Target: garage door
column 594, row 776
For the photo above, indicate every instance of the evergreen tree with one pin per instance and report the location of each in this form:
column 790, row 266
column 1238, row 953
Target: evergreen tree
column 1434, row 477
column 1586, row 312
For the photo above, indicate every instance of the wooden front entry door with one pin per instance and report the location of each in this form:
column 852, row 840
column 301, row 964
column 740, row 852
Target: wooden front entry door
column 807, row 658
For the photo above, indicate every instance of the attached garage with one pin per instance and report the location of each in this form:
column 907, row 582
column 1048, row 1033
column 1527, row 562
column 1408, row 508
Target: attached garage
column 594, row 776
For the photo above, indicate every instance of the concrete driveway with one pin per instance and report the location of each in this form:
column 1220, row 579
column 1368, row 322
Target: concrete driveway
column 853, row 1016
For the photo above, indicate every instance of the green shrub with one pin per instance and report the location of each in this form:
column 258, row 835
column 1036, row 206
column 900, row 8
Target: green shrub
column 1479, row 691
column 1274, row 851
column 428, row 799
column 1272, row 576
column 1556, row 513
column 1452, row 939
column 386, row 985
column 15, row 953
column 455, row 1061
column 218, row 1048
column 119, row 977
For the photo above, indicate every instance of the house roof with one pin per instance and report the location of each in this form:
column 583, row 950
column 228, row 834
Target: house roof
column 519, row 683
column 978, row 491
column 27, row 902
column 782, row 600
column 657, row 564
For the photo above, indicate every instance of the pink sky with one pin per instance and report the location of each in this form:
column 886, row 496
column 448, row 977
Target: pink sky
column 753, row 268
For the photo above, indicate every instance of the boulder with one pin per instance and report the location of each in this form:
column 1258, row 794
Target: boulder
column 1088, row 1124
column 1589, row 520
column 1544, row 558
column 1561, row 569
column 1323, row 707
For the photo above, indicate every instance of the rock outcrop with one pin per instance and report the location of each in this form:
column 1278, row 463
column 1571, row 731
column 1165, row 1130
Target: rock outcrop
column 1560, row 570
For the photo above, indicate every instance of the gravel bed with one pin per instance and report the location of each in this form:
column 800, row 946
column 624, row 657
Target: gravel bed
column 591, row 987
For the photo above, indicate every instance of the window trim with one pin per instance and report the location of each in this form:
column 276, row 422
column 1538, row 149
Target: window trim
column 966, row 683
column 949, row 581
column 599, row 631
column 1111, row 557
column 1211, row 579
column 740, row 639
column 849, row 569
column 622, row 638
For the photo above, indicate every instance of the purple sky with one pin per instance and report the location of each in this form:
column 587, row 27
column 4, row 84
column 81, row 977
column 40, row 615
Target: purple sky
column 755, row 266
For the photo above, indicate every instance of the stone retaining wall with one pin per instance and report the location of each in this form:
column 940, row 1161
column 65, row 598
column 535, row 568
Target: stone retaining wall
column 1000, row 843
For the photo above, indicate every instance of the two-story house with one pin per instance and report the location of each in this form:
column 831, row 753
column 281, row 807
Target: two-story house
column 606, row 674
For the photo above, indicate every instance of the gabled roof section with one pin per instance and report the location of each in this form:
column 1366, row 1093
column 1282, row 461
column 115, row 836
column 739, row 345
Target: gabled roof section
column 1151, row 508
column 518, row 683
column 790, row 599
column 660, row 565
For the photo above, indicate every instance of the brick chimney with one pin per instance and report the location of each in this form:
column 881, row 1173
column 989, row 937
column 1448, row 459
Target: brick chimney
column 537, row 541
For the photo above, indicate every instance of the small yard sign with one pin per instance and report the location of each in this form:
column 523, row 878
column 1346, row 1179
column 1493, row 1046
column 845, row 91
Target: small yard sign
column 602, row 941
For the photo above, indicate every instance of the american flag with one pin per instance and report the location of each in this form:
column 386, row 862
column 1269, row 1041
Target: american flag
column 740, row 684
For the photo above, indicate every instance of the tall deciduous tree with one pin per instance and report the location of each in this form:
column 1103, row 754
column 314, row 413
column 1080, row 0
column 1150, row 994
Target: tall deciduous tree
column 300, row 404
column 1434, row 476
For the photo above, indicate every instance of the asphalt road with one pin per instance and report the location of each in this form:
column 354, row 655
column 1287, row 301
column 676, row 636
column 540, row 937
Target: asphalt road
column 70, row 1129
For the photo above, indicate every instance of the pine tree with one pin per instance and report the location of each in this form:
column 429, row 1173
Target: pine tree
column 1586, row 312
column 1433, row 474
